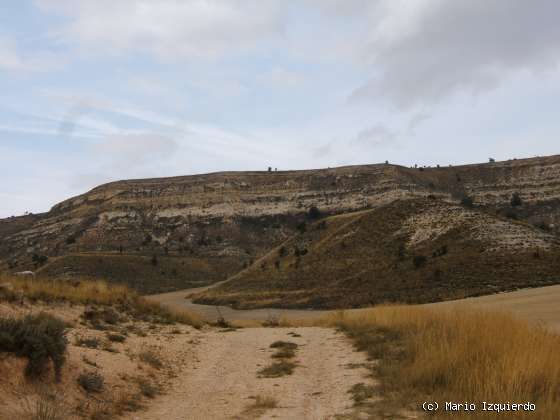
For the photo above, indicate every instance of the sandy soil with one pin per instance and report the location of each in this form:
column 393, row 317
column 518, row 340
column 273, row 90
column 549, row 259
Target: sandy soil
column 223, row 381
column 118, row 363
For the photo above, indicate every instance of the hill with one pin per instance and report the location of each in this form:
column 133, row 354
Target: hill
column 413, row 251
column 204, row 228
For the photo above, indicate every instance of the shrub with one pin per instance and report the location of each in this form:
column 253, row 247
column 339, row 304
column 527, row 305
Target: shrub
column 419, row 261
column 147, row 388
column 151, row 359
column 313, row 213
column 38, row 338
column 511, row 214
column 278, row 369
column 39, row 259
column 92, row 343
column 467, row 201
column 299, row 252
column 301, row 227
column 515, row 200
column 361, row 392
column 285, row 349
column 117, row 338
column 91, row 381
column 107, row 315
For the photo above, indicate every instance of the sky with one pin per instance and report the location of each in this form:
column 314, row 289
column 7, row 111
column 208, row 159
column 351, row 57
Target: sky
column 93, row 91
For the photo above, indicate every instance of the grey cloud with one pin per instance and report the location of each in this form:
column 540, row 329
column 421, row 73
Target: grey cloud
column 377, row 135
column 425, row 51
column 416, row 120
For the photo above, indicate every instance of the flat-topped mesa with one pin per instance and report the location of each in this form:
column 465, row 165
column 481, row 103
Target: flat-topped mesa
column 246, row 193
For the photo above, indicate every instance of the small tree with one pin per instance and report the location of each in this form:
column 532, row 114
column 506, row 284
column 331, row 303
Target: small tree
column 313, row 213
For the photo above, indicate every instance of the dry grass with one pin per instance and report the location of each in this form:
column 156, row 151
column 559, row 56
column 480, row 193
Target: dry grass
column 459, row 356
column 96, row 292
column 262, row 404
column 82, row 291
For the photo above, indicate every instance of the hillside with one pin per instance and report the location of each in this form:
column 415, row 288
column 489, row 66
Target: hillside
column 414, row 251
column 204, row 228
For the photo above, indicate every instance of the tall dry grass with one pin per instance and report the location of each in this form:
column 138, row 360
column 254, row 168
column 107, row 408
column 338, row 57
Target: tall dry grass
column 459, row 356
column 78, row 291
column 92, row 292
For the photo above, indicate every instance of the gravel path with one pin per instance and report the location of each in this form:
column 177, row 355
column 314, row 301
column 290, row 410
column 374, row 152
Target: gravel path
column 222, row 382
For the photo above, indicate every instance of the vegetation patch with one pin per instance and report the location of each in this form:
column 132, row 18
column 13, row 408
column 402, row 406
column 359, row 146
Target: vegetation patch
column 89, row 342
column 110, row 304
column 285, row 349
column 40, row 338
column 277, row 369
column 262, row 404
column 116, row 338
column 361, row 392
column 91, row 381
column 151, row 358
column 147, row 388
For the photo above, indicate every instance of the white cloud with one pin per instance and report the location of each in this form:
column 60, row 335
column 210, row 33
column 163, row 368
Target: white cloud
column 169, row 28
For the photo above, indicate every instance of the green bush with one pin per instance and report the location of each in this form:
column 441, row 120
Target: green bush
column 38, row 338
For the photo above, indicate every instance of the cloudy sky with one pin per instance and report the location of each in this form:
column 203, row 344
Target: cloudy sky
column 99, row 90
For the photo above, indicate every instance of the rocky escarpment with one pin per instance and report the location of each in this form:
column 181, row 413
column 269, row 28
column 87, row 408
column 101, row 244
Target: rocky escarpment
column 221, row 222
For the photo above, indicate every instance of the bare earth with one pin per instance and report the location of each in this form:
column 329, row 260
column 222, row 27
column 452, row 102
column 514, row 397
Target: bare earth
column 223, row 381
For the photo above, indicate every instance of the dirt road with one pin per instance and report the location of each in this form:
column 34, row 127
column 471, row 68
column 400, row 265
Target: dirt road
column 210, row 313
column 223, row 381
